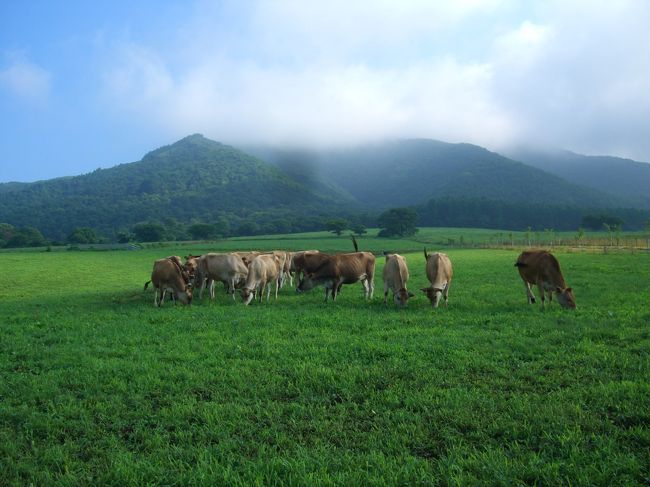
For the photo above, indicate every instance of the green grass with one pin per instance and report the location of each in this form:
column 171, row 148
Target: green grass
column 99, row 387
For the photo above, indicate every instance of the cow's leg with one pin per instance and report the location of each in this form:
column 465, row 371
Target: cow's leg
column 529, row 293
column 162, row 296
column 542, row 292
column 327, row 292
column 446, row 295
column 366, row 288
column 277, row 286
column 211, row 287
column 385, row 292
column 155, row 298
column 335, row 290
column 371, row 284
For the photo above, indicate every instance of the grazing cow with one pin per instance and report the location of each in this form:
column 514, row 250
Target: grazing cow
column 542, row 268
column 439, row 273
column 263, row 271
column 168, row 275
column 396, row 274
column 335, row 270
column 226, row 268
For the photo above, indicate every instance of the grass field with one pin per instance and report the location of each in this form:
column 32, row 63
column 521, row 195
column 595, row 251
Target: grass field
column 99, row 387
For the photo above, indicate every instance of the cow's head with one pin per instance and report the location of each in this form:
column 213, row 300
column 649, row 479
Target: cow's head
column 307, row 283
column 247, row 295
column 433, row 293
column 565, row 297
column 185, row 297
column 402, row 296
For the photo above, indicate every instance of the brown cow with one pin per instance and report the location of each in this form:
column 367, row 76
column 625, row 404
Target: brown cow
column 298, row 263
column 542, row 268
column 263, row 271
column 226, row 268
column 439, row 273
column 168, row 275
column 396, row 274
column 335, row 270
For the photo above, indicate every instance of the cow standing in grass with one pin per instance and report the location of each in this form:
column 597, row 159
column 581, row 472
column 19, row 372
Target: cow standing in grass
column 332, row 271
column 396, row 275
column 168, row 275
column 542, row 268
column 439, row 273
column 227, row 268
column 263, row 271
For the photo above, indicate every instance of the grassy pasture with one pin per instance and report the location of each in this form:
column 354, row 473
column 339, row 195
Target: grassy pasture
column 99, row 387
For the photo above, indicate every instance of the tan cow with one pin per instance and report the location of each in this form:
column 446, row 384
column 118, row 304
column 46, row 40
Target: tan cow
column 168, row 275
column 439, row 273
column 333, row 271
column 542, row 268
column 226, row 268
column 264, row 270
column 396, row 275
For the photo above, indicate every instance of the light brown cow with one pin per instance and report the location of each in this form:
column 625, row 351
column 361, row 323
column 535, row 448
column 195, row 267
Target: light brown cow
column 226, row 268
column 542, row 268
column 264, row 270
column 439, row 273
column 168, row 275
column 286, row 270
column 335, row 270
column 396, row 275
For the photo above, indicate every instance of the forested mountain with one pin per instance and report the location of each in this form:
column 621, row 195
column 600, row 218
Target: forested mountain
column 193, row 179
column 200, row 187
column 624, row 178
column 410, row 172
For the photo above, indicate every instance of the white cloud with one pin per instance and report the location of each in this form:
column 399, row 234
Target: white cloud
column 25, row 79
column 570, row 74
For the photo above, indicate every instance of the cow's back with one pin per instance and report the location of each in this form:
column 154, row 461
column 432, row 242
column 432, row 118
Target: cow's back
column 439, row 269
column 395, row 270
column 536, row 266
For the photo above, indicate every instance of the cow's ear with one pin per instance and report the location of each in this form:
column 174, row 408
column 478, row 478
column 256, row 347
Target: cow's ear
column 568, row 290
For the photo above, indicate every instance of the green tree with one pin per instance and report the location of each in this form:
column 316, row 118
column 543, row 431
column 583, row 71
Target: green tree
column 82, row 235
column 359, row 229
column 398, row 222
column 337, row 225
column 202, row 231
column 149, row 232
column 26, row 237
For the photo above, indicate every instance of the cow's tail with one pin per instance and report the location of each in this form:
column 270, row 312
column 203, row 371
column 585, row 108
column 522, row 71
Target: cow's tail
column 356, row 245
column 426, row 256
column 386, row 254
column 146, row 285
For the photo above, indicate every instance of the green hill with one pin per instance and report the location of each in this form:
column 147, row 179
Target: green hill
column 411, row 172
column 192, row 179
column 624, row 178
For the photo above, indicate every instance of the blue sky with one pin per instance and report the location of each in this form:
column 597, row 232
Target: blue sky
column 93, row 84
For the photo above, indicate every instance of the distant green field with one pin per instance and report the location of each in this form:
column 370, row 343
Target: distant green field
column 99, row 387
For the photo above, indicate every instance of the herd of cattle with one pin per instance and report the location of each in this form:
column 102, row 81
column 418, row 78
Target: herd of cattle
column 253, row 273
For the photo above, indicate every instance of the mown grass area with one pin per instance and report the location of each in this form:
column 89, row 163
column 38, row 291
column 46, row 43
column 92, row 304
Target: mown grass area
column 99, row 387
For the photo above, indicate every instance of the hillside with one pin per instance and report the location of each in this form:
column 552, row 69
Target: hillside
column 624, row 178
column 410, row 172
column 194, row 178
